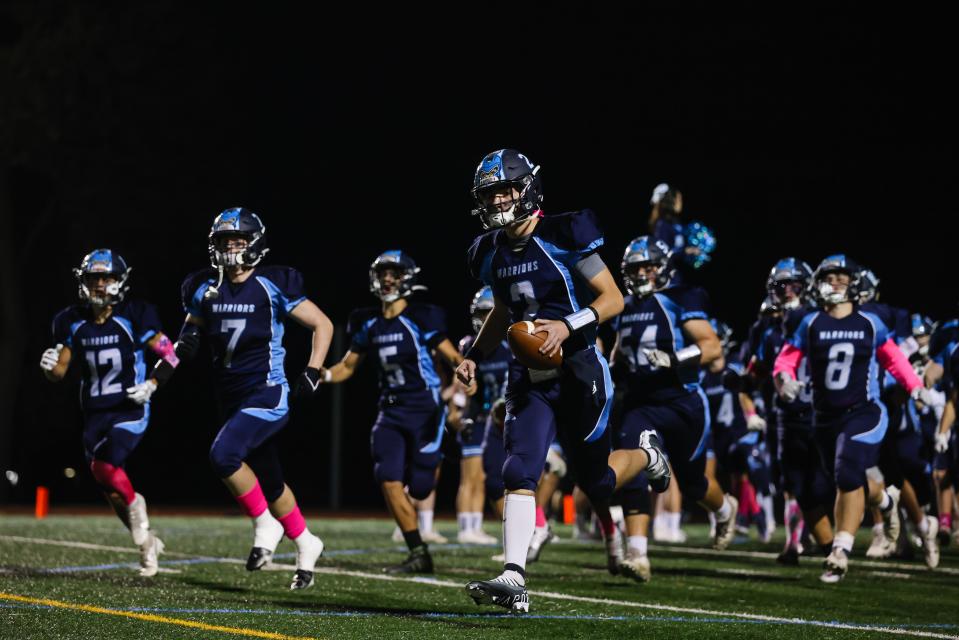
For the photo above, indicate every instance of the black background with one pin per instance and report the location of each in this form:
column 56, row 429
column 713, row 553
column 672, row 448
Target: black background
column 354, row 130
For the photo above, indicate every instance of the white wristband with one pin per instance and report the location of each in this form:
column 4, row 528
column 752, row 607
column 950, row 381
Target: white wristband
column 581, row 319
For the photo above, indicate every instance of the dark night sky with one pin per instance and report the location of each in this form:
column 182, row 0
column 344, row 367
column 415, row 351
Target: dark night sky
column 355, row 131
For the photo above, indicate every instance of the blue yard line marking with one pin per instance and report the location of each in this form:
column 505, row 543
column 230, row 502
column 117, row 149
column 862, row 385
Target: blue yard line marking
column 480, row 616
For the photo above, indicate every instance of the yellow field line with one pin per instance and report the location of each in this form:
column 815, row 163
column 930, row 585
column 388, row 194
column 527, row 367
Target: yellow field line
column 149, row 617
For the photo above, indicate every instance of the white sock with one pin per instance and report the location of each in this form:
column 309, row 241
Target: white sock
column 639, row 543
column 767, row 504
column 877, row 529
column 519, row 521
column 264, row 531
column 711, row 516
column 924, row 526
column 464, row 520
column 476, row 521
column 724, row 512
column 843, row 540
column 673, row 519
column 425, row 519
column 886, row 502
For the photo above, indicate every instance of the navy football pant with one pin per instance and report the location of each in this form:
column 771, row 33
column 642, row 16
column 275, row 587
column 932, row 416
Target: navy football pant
column 850, row 443
column 494, row 455
column 573, row 409
column 111, row 435
column 406, row 439
column 248, row 436
column 805, row 473
column 683, row 425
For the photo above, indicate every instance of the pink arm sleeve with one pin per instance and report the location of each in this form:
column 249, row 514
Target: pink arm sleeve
column 788, row 361
column 165, row 350
column 894, row 361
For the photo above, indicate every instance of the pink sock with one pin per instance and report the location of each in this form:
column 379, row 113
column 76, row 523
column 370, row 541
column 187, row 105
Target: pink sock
column 795, row 519
column 293, row 523
column 113, row 478
column 945, row 522
column 253, row 501
column 540, row 518
column 747, row 501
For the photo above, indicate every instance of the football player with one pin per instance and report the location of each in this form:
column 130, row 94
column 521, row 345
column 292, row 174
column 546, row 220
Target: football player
column 406, row 438
column 845, row 347
column 545, row 269
column 108, row 333
column 240, row 306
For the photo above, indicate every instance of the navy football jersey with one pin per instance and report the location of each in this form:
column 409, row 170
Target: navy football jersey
column 402, row 344
column 110, row 354
column 540, row 280
column 843, row 367
column 724, row 407
column 490, row 377
column 244, row 324
column 897, row 320
column 655, row 322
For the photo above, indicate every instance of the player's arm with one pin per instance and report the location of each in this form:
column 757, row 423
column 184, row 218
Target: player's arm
column 785, row 372
column 312, row 317
column 754, row 421
column 704, row 350
column 342, row 370
column 607, row 304
column 55, row 362
column 945, row 424
column 490, row 334
column 893, row 360
column 452, row 355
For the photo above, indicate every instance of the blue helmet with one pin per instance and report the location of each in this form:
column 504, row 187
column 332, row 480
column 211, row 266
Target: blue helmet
column 838, row 263
column 101, row 262
column 407, row 272
column 788, row 272
column 642, row 251
column 868, row 286
column 480, row 307
column 921, row 325
column 502, row 169
column 242, row 223
column 700, row 237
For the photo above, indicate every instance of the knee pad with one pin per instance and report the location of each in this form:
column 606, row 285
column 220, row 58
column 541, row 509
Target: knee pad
column 422, row 481
column 635, row 501
column 224, row 462
column 516, row 476
column 848, row 476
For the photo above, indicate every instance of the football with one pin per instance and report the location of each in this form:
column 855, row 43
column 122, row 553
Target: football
column 525, row 344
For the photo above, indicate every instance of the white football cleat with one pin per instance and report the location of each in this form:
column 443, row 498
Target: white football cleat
column 890, row 516
column 930, row 542
column 150, row 552
column 636, row 566
column 475, row 536
column 836, row 565
column 880, row 547
column 614, row 551
column 726, row 529
column 541, row 537
column 397, row 535
column 433, row 537
column 139, row 522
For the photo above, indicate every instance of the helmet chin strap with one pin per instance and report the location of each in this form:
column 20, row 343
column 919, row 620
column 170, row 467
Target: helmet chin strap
column 791, row 304
column 829, row 294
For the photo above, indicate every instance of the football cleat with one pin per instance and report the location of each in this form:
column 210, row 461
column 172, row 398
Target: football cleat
column 789, row 557
column 475, row 536
column 836, row 565
column 150, row 551
column 657, row 469
column 725, row 529
column 267, row 534
column 880, row 547
column 614, row 551
column 501, row 591
column 890, row 517
column 419, row 560
column 541, row 537
column 635, row 566
column 930, row 542
column 301, row 580
column 434, row 537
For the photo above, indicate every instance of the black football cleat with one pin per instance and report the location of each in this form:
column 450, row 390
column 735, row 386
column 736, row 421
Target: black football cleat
column 258, row 558
column 789, row 557
column 500, row 591
column 418, row 561
column 301, row 579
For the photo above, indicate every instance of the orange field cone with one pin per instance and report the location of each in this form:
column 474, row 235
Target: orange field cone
column 43, row 502
column 569, row 510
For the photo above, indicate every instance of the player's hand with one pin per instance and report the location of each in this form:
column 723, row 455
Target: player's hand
column 466, row 372
column 658, row 359
column 140, row 393
column 789, row 387
column 187, row 346
column 306, row 384
column 556, row 332
column 471, row 388
column 942, row 441
column 51, row 358
column 755, row 422
column 923, row 395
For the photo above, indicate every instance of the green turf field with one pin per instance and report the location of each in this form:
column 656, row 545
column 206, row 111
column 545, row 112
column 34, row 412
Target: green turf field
column 53, row 589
